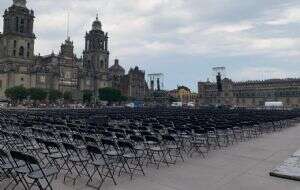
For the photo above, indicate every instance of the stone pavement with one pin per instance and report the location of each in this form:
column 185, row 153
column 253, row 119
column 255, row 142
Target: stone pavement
column 244, row 166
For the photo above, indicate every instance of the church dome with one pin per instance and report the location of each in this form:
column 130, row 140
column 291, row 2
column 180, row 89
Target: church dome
column 97, row 24
column 20, row 3
column 116, row 66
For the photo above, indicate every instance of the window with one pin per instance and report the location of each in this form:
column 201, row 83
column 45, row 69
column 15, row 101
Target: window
column 22, row 26
column 28, row 54
column 0, row 84
column 87, row 45
column 15, row 43
column 88, row 82
column 21, row 51
column 28, row 45
column 22, row 79
column 17, row 24
column 28, row 25
column 42, row 79
column 14, row 53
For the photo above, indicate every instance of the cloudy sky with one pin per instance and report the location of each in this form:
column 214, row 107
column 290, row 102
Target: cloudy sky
column 184, row 39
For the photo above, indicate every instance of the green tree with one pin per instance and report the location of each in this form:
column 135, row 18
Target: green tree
column 68, row 97
column 54, row 95
column 111, row 95
column 87, row 96
column 37, row 94
column 16, row 94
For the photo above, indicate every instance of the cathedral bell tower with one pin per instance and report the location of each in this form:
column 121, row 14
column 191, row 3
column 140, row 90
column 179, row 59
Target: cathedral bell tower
column 96, row 55
column 18, row 37
column 17, row 47
column 67, row 48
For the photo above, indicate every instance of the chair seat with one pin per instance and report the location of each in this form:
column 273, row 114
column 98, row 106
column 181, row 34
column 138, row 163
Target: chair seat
column 51, row 152
column 131, row 155
column 140, row 147
column 151, row 143
column 112, row 153
column 78, row 159
column 98, row 163
column 32, row 148
column 172, row 147
column 39, row 174
column 11, row 166
column 24, row 169
column 58, row 155
column 156, row 148
column 185, row 136
column 81, row 147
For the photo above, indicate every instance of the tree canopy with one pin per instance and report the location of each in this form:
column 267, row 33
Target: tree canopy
column 87, row 96
column 37, row 94
column 54, row 95
column 111, row 95
column 68, row 96
column 17, row 93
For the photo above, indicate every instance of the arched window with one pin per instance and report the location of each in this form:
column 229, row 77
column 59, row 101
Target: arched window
column 21, row 51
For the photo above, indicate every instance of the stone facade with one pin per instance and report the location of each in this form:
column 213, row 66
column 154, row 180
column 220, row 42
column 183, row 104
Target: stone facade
column 63, row 71
column 250, row 93
column 134, row 85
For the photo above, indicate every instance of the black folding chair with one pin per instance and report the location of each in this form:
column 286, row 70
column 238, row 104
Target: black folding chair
column 156, row 152
column 130, row 156
column 7, row 166
column 56, row 156
column 173, row 147
column 76, row 158
column 99, row 160
column 34, row 171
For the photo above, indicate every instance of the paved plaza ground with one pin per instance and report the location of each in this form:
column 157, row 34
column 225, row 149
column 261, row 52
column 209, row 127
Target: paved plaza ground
column 239, row 167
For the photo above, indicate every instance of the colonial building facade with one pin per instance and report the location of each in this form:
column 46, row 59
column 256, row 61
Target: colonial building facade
column 63, row 71
column 250, row 93
column 183, row 94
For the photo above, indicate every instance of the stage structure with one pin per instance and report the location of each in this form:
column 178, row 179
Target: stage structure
column 156, row 81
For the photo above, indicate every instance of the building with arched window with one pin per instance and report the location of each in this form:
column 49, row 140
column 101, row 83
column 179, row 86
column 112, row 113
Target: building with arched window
column 250, row 93
column 63, row 71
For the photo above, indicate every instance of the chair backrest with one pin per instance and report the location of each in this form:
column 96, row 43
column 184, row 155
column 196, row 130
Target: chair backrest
column 152, row 138
column 69, row 147
column 93, row 149
column 49, row 145
column 24, row 157
column 137, row 139
column 108, row 142
column 90, row 140
column 125, row 145
column 78, row 137
column 3, row 154
column 168, row 138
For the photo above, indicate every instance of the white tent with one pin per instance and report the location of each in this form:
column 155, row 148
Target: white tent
column 274, row 104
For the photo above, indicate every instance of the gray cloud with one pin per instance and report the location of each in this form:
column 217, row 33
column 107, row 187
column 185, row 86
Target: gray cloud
column 182, row 38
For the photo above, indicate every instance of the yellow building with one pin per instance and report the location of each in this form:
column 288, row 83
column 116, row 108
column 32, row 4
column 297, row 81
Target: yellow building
column 183, row 94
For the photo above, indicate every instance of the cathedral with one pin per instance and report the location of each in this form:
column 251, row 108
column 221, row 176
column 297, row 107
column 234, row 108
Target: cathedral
column 63, row 71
